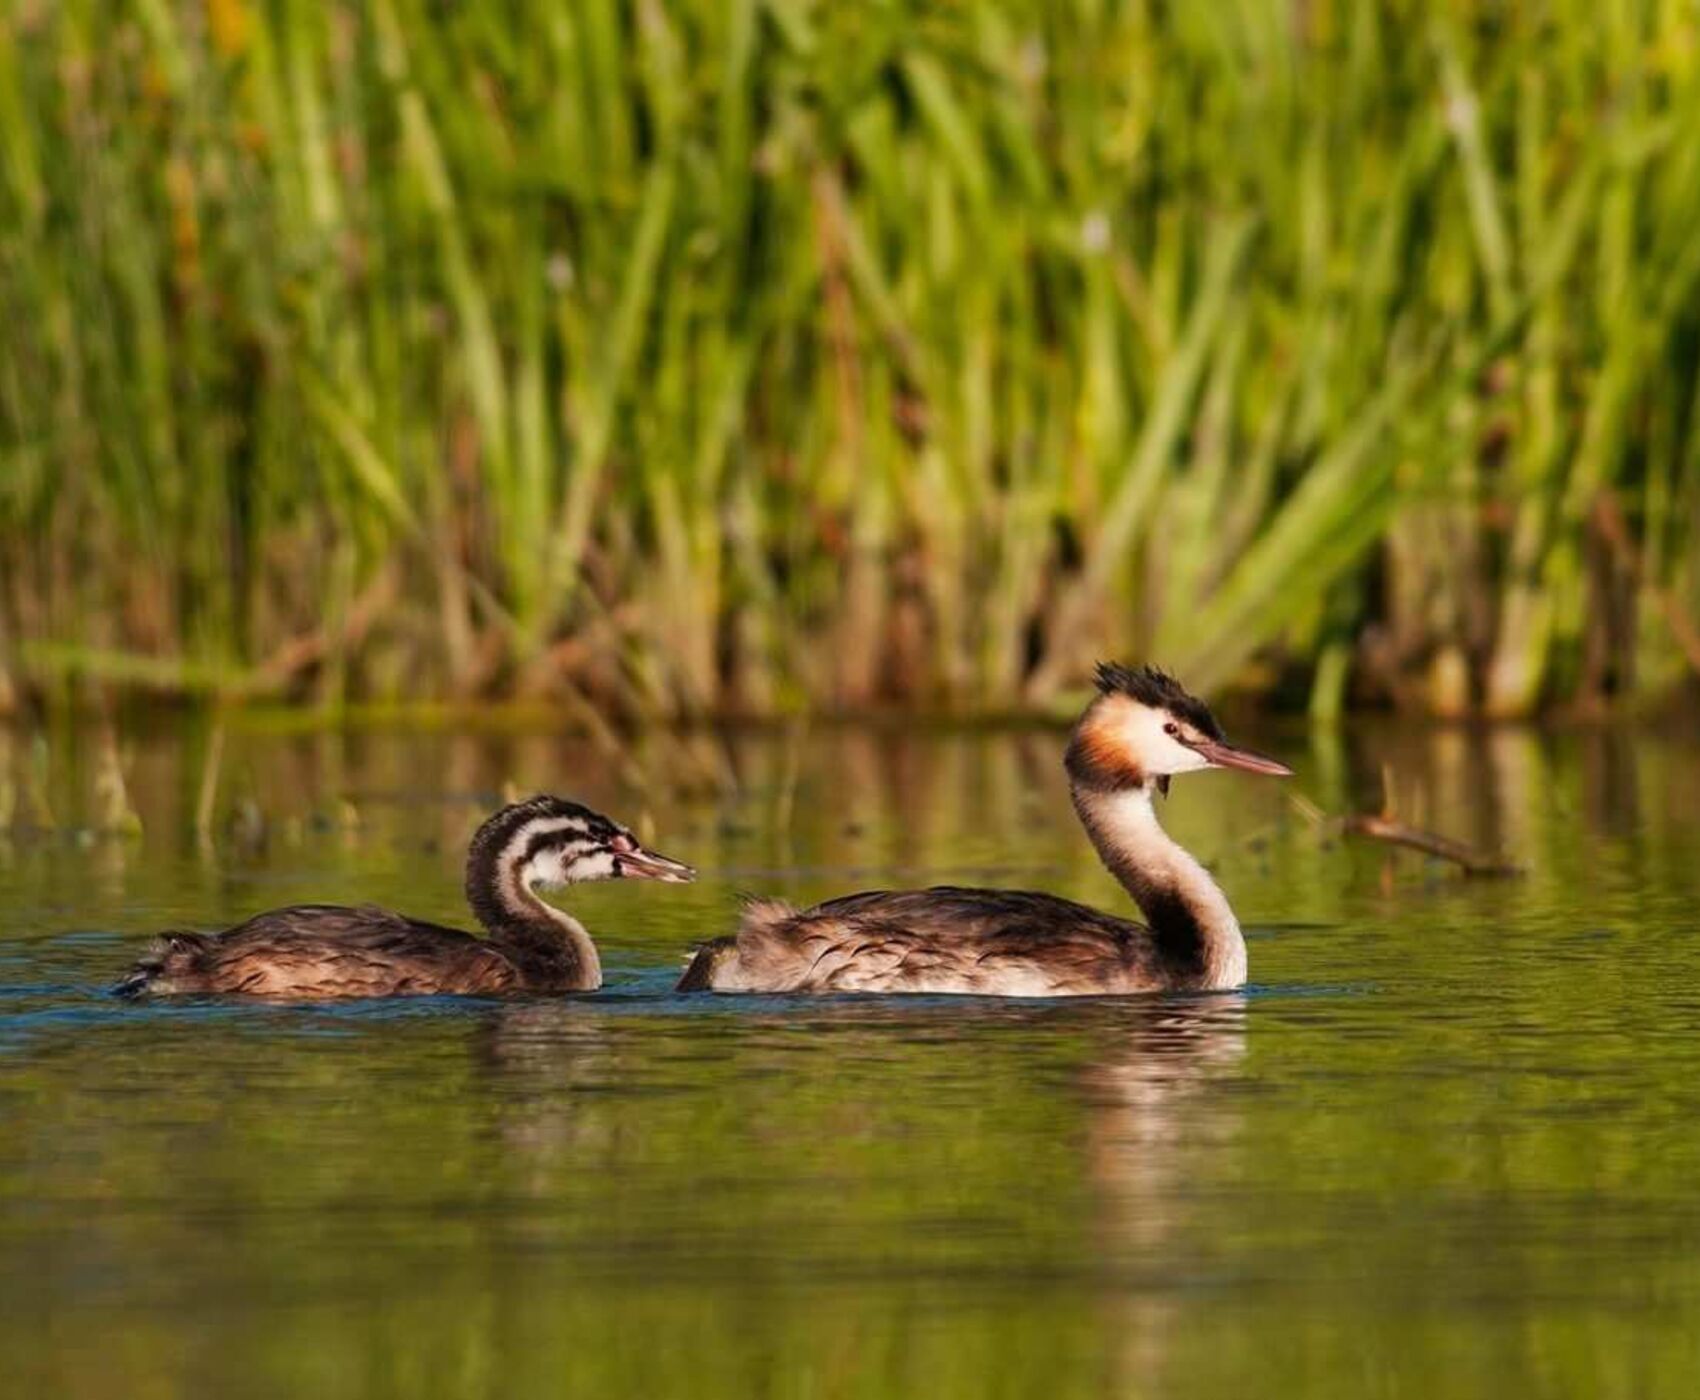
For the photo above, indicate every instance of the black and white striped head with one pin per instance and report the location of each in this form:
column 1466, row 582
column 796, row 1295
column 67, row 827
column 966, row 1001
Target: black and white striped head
column 546, row 842
column 1143, row 726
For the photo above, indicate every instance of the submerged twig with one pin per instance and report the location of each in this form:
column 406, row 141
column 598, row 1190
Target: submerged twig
column 1384, row 828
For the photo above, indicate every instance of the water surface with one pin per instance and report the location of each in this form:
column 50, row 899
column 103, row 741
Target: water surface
column 1446, row 1143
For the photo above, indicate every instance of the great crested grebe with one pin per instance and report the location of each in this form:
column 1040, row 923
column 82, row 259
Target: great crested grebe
column 1139, row 731
column 319, row 951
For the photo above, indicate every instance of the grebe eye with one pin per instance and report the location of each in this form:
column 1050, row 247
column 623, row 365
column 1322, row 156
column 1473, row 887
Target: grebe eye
column 1172, row 729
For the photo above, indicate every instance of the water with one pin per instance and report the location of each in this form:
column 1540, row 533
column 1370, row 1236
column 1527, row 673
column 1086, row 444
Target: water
column 1445, row 1144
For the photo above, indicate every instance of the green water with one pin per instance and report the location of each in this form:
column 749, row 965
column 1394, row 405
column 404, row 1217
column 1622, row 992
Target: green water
column 1447, row 1143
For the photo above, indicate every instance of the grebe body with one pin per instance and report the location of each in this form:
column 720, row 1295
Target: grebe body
column 322, row 951
column 1140, row 730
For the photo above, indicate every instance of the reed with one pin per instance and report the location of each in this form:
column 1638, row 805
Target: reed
column 724, row 355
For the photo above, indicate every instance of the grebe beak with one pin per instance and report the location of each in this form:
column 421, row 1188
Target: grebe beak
column 645, row 864
column 1220, row 755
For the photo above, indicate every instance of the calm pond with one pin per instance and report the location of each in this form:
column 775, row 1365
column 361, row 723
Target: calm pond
column 1447, row 1143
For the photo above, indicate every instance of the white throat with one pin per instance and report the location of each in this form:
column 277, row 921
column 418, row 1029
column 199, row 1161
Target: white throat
column 1184, row 905
column 525, row 907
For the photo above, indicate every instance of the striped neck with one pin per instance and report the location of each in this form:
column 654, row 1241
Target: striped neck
column 499, row 873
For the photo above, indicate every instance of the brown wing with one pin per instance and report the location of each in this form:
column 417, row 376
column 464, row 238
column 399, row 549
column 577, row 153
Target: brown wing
column 313, row 951
column 944, row 939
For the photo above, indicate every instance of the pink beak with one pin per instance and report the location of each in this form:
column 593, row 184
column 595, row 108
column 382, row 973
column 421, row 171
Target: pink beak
column 645, row 864
column 1220, row 755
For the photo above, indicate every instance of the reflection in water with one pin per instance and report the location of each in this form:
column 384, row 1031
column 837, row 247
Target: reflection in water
column 1172, row 1050
column 1442, row 1145
column 540, row 1064
column 1610, row 783
column 1158, row 1129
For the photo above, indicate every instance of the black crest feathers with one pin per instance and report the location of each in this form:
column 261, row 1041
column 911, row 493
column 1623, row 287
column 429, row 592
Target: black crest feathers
column 500, row 828
column 1149, row 686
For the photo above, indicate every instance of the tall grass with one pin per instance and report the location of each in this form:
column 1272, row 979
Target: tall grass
column 733, row 355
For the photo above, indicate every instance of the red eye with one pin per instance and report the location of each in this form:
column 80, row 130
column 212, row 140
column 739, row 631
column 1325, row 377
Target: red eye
column 1172, row 730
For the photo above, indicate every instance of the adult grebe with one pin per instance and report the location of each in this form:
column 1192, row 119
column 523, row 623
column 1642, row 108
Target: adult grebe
column 319, row 951
column 1140, row 730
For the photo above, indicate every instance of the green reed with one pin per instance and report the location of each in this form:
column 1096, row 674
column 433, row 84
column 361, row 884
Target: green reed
column 734, row 355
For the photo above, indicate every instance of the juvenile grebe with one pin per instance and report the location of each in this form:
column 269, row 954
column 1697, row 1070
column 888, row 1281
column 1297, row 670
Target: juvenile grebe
column 319, row 951
column 1140, row 730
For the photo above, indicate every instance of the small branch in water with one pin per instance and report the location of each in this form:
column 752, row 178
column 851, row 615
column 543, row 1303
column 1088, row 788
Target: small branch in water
column 1396, row 833
column 1384, row 826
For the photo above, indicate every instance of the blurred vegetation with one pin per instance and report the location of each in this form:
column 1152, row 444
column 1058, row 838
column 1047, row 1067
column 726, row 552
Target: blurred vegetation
column 725, row 355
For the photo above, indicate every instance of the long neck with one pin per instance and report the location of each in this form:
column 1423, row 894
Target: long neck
column 1196, row 931
column 514, row 916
